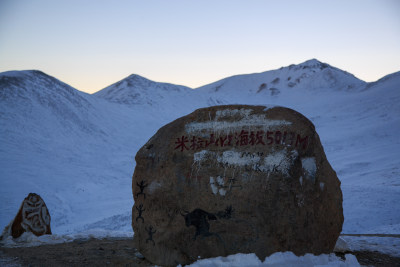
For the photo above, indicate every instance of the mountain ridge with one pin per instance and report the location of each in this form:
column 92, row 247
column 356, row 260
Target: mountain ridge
column 133, row 79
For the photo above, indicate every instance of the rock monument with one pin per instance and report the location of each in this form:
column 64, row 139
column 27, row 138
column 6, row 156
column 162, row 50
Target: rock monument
column 234, row 179
column 33, row 216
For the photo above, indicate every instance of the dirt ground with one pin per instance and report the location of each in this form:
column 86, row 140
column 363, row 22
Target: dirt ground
column 118, row 252
column 92, row 252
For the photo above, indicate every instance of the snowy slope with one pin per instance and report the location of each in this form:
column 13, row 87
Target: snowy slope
column 73, row 149
column 77, row 150
column 364, row 148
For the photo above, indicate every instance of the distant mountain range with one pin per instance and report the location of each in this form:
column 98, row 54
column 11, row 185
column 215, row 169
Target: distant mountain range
column 77, row 150
column 310, row 75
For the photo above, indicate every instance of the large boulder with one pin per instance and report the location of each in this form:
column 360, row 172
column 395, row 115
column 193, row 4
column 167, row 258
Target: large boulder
column 33, row 216
column 234, row 179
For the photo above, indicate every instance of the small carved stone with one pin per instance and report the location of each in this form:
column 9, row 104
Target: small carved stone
column 33, row 216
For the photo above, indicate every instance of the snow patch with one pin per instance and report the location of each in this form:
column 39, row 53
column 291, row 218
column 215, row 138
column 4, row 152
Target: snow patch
column 28, row 239
column 267, row 107
column 238, row 158
column 232, row 112
column 341, row 246
column 200, row 156
column 279, row 259
column 310, row 167
column 153, row 186
column 244, row 119
column 322, row 186
column 217, row 186
column 214, row 188
column 279, row 161
column 385, row 245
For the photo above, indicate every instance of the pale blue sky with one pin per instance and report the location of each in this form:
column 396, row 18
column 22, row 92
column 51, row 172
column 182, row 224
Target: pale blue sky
column 91, row 44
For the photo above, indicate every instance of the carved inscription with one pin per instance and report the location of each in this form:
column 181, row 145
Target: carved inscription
column 140, row 211
column 150, row 232
column 142, row 186
column 243, row 138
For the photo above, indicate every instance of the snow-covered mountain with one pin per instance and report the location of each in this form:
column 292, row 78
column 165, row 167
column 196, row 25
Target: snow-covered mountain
column 311, row 75
column 139, row 90
column 163, row 99
column 77, row 150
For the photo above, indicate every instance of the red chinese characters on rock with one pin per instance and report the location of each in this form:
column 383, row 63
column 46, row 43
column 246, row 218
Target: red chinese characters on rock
column 243, row 138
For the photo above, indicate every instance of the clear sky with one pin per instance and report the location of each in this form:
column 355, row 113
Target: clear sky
column 91, row 44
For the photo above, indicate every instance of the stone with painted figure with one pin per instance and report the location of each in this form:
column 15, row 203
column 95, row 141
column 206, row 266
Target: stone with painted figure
column 33, row 216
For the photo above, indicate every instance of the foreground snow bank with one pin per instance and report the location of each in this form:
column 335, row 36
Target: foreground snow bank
column 28, row 239
column 279, row 259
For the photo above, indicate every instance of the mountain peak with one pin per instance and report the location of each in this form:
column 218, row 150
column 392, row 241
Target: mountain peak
column 312, row 64
column 35, row 85
column 136, row 77
column 312, row 61
column 21, row 78
column 311, row 75
column 136, row 89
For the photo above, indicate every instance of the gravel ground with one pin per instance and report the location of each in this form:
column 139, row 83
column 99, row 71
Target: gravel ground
column 92, row 252
column 118, row 252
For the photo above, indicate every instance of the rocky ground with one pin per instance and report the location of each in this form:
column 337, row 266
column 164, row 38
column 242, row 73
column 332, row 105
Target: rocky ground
column 118, row 252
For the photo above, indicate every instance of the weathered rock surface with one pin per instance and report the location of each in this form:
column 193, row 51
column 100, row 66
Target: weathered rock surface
column 33, row 216
column 234, row 179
